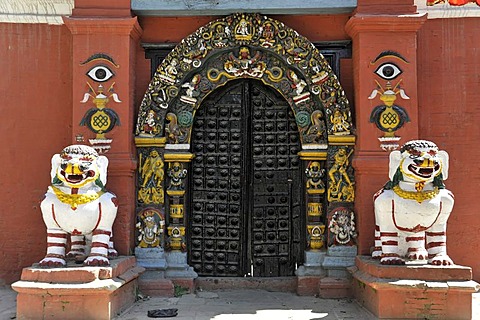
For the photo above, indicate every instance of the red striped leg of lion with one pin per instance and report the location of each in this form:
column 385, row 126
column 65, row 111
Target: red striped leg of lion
column 99, row 252
column 390, row 248
column 56, row 244
column 437, row 248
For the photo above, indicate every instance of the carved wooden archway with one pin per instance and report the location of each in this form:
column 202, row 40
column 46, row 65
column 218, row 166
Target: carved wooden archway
column 236, row 47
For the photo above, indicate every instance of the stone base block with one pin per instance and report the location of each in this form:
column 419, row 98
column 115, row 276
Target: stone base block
column 153, row 283
column 307, row 285
column 151, row 258
column 184, row 285
column 273, row 284
column 396, row 292
column 335, row 288
column 77, row 292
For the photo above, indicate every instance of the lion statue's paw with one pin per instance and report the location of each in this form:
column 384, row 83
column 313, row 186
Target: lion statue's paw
column 51, row 262
column 441, row 260
column 418, row 255
column 112, row 253
column 392, row 261
column 73, row 254
column 377, row 254
column 96, row 261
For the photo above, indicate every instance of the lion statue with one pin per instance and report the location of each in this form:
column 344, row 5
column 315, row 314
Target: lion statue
column 412, row 209
column 77, row 203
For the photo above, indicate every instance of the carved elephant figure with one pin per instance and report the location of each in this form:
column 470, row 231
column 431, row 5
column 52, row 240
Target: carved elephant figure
column 78, row 205
column 412, row 209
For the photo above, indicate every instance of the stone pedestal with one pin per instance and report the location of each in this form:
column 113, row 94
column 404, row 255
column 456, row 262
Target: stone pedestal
column 153, row 282
column 338, row 259
column 178, row 270
column 310, row 273
column 151, row 258
column 77, row 292
column 414, row 291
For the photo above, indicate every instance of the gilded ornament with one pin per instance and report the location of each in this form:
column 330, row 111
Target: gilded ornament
column 74, row 200
column 176, row 239
column 315, row 238
column 152, row 174
column 340, row 186
column 340, row 125
column 418, row 196
column 176, row 211
column 314, row 209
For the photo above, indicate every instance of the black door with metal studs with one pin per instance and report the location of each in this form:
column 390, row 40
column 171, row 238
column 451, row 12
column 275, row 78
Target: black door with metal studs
column 245, row 184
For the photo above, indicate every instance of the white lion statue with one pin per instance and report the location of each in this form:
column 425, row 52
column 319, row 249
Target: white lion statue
column 77, row 203
column 412, row 209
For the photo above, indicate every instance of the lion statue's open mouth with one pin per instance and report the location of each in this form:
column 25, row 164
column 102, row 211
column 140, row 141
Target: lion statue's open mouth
column 423, row 172
column 77, row 178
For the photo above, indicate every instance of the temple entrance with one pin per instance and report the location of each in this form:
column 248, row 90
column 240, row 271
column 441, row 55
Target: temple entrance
column 246, row 195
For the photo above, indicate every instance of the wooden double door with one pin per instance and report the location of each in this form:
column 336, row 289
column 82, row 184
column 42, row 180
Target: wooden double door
column 246, row 191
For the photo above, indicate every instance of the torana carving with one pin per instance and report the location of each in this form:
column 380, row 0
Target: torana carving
column 412, row 209
column 222, row 51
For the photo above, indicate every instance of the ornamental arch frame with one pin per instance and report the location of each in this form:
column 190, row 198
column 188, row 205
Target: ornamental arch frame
column 237, row 47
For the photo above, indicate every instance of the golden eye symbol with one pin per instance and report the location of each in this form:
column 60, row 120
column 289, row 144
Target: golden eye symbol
column 100, row 73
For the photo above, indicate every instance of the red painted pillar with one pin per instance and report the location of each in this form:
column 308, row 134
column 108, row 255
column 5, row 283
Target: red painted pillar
column 104, row 37
column 379, row 40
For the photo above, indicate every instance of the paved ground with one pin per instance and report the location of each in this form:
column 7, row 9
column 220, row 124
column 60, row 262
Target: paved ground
column 237, row 305
column 230, row 305
column 7, row 303
column 250, row 304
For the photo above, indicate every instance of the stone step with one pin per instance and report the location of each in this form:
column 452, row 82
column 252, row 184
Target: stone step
column 273, row 284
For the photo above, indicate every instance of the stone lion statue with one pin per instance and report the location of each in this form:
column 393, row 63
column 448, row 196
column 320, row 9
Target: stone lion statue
column 78, row 205
column 412, row 209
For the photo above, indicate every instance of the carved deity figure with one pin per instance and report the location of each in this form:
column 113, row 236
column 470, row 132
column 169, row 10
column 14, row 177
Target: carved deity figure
column 297, row 84
column 315, row 174
column 150, row 229
column 341, row 188
column 152, row 173
column 78, row 205
column 412, row 209
column 177, row 173
column 342, row 227
column 340, row 125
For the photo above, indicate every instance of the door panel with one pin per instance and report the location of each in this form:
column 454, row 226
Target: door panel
column 245, row 199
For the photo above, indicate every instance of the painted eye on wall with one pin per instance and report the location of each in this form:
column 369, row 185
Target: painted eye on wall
column 388, row 71
column 100, row 74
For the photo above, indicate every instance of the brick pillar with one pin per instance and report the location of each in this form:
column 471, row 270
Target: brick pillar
column 105, row 35
column 378, row 39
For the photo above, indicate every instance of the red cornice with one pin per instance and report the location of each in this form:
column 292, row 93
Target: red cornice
column 363, row 23
column 113, row 26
